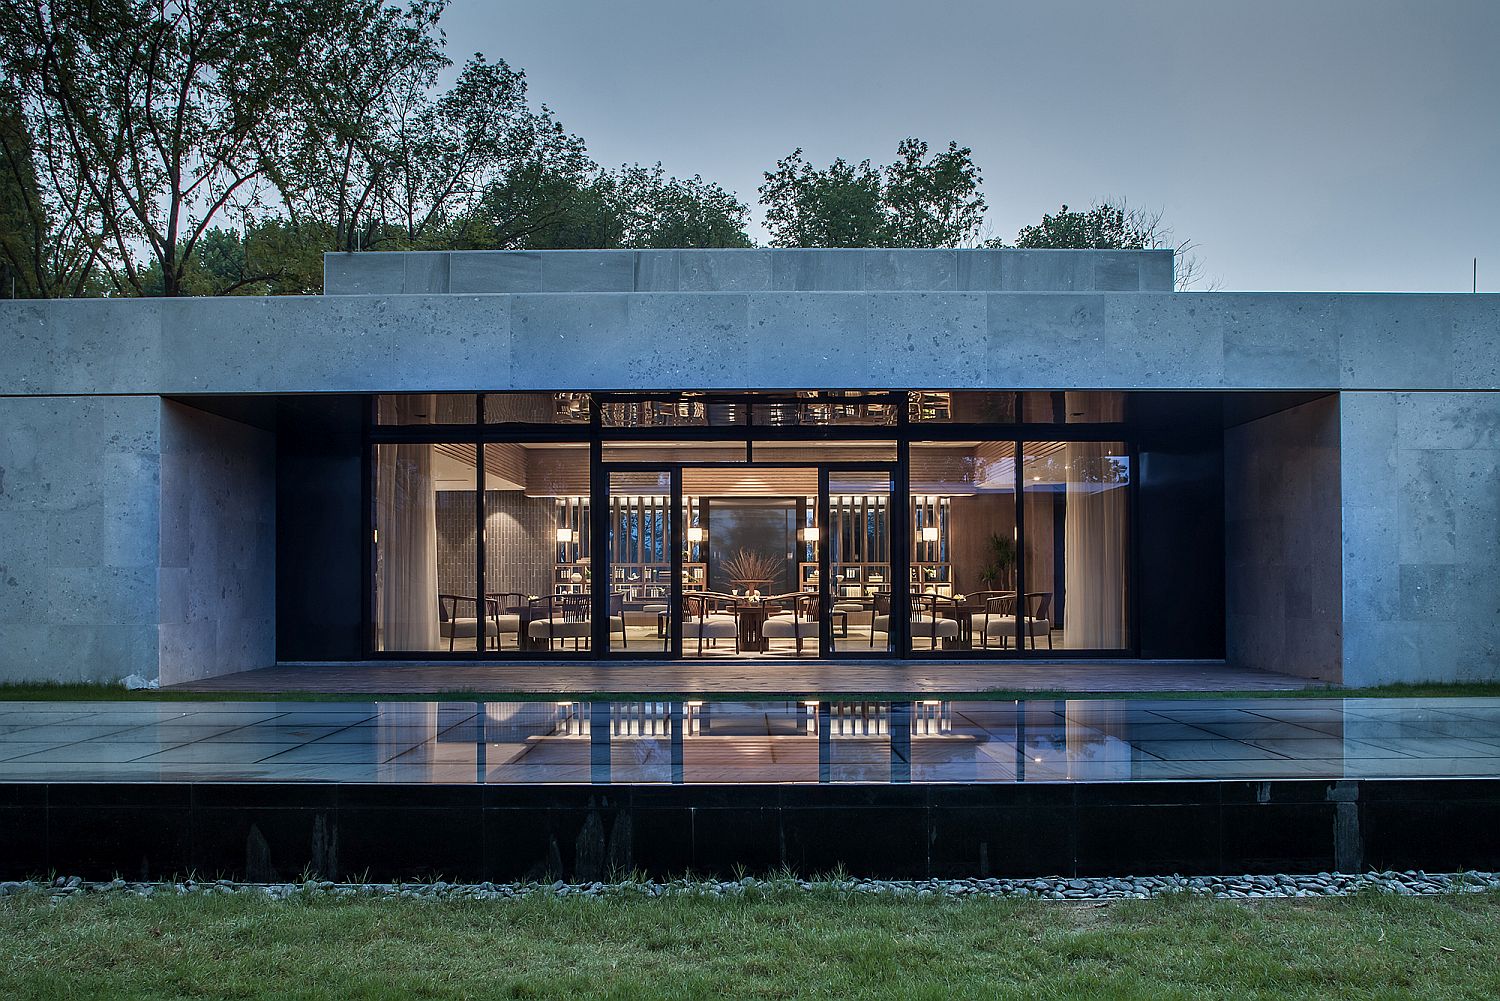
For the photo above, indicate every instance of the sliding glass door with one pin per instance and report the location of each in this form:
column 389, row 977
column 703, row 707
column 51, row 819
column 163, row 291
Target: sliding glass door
column 641, row 563
column 862, row 591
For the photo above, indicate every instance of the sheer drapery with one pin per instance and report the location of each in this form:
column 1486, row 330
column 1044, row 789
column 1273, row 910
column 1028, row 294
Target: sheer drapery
column 1095, row 533
column 406, row 520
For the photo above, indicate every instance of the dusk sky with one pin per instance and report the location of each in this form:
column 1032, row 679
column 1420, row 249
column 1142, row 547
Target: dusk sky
column 1303, row 145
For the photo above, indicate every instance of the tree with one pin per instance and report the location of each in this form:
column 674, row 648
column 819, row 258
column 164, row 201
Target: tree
column 149, row 117
column 916, row 201
column 634, row 206
column 37, row 257
column 841, row 206
column 1105, row 226
column 383, row 158
column 271, row 257
column 933, row 202
column 660, row 212
column 1113, row 225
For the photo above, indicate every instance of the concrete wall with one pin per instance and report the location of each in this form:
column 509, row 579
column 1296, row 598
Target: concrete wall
column 218, row 546
column 850, row 270
column 1282, row 517
column 79, row 532
column 1421, row 560
column 770, row 340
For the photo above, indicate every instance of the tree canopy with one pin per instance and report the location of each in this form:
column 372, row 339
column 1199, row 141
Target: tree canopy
column 915, row 201
column 1113, row 224
column 167, row 147
column 200, row 147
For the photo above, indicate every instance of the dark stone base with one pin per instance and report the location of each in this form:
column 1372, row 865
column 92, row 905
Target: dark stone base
column 272, row 832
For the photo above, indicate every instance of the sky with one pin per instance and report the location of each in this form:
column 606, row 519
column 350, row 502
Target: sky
column 1310, row 145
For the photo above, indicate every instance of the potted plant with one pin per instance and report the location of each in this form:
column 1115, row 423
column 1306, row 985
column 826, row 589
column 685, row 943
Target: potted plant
column 753, row 570
column 1001, row 565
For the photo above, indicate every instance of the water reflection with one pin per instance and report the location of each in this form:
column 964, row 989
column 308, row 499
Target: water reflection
column 788, row 739
column 791, row 741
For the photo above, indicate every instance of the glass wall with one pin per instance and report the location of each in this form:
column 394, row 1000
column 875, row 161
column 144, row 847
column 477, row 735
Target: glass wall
column 425, row 539
column 640, row 562
column 1077, row 545
column 963, row 532
column 537, row 541
column 542, row 513
column 861, row 568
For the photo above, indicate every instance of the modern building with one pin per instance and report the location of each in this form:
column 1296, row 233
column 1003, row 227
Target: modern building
column 1003, row 456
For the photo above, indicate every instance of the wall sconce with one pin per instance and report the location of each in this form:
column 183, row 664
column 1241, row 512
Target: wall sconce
column 566, row 535
column 695, row 535
column 812, row 534
column 929, row 533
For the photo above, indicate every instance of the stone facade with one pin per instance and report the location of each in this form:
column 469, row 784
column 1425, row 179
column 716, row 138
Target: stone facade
column 80, row 488
column 1421, row 536
column 117, row 506
column 1282, row 566
column 217, row 571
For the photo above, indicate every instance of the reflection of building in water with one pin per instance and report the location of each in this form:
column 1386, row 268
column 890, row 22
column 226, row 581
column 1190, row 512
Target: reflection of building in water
column 793, row 740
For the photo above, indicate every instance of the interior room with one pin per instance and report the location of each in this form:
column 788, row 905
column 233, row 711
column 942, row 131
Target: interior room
column 719, row 548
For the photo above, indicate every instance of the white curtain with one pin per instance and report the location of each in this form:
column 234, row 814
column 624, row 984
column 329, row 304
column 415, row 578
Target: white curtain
column 1094, row 561
column 406, row 519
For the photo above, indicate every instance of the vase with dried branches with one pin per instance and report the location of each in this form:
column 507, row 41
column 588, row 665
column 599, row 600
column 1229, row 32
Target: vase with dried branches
column 753, row 570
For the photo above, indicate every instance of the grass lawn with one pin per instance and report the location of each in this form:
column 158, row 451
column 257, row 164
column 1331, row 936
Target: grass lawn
column 54, row 692
column 776, row 945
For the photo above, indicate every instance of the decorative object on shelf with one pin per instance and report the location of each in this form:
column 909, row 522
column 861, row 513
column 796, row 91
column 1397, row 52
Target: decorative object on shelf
column 576, row 577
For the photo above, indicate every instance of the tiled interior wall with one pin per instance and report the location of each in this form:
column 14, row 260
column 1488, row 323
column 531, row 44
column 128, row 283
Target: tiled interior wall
column 519, row 542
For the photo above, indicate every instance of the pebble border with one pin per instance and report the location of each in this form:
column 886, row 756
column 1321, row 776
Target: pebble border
column 1323, row 884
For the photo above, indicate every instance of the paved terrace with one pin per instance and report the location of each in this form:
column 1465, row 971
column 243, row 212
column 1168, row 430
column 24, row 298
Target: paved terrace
column 780, row 741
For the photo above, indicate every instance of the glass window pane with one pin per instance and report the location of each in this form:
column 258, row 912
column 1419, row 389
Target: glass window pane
column 537, row 540
column 858, row 537
column 674, row 410
column 963, row 544
column 1077, row 531
column 975, row 407
column 1084, row 407
column 962, row 407
column 674, row 451
column 824, row 451
column 536, row 408
column 425, row 408
column 425, row 554
column 750, row 562
column 640, row 562
column 853, row 407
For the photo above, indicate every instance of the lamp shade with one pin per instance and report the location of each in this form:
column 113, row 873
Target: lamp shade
column 564, row 535
column 810, row 534
column 695, row 534
column 929, row 533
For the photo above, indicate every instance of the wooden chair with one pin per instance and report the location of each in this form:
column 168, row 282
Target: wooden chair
column 996, row 620
column 926, row 618
column 1038, row 618
column 505, row 612
column 453, row 626
column 710, row 616
column 801, row 624
column 569, row 616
